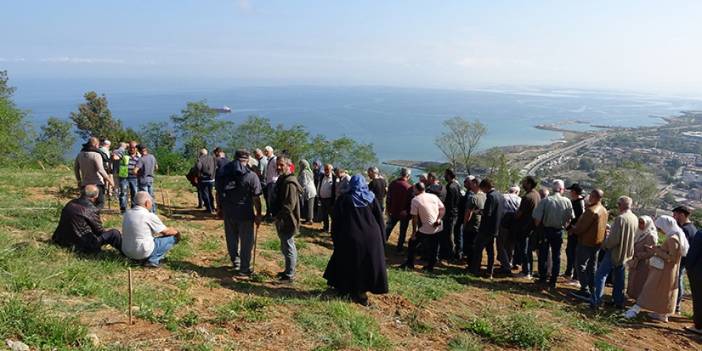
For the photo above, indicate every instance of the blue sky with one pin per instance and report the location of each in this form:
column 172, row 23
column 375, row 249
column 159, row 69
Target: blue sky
column 631, row 45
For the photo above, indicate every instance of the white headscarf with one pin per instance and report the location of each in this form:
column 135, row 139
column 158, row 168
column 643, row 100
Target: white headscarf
column 649, row 230
column 668, row 225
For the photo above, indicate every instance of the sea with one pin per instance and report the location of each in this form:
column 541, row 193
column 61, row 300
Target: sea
column 401, row 123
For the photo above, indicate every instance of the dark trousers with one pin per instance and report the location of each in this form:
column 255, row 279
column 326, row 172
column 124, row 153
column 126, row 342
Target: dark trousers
column 458, row 238
column 695, row 279
column 430, row 244
column 404, row 224
column 468, row 243
column 553, row 240
column 445, row 239
column 525, row 249
column 571, row 255
column 505, row 248
column 205, row 190
column 93, row 244
column 483, row 242
column 326, row 212
column 586, row 266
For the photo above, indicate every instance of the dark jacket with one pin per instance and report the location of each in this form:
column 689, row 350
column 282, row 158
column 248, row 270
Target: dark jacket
column 693, row 262
column 523, row 223
column 453, row 199
column 578, row 209
column 285, row 206
column 206, row 167
column 79, row 226
column 492, row 214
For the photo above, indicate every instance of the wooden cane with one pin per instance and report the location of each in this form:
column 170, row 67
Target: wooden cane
column 253, row 266
column 129, row 272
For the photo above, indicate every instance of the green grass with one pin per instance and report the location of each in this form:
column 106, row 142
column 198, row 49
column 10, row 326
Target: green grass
column 419, row 287
column 465, row 342
column 601, row 345
column 517, row 329
column 211, row 244
column 247, row 309
column 340, row 325
column 599, row 324
column 38, row 327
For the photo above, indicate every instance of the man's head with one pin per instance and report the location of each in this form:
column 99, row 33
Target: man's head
column 123, row 145
column 558, row 186
column 544, row 193
column 473, row 183
column 575, row 190
column 624, row 203
column 242, row 156
column 203, row 152
column 449, row 175
column 282, row 165
column 419, row 188
column 90, row 192
column 143, row 199
column 328, row 168
column 143, row 150
column 486, row 185
column 94, row 142
column 431, row 178
column 681, row 214
column 133, row 144
column 424, row 178
column 596, row 196
column 132, row 148
column 372, row 172
column 218, row 152
column 268, row 151
column 106, row 144
column 513, row 190
column 258, row 154
column 405, row 173
column 529, row 183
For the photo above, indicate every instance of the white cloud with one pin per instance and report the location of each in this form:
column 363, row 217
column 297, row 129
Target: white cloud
column 12, row 59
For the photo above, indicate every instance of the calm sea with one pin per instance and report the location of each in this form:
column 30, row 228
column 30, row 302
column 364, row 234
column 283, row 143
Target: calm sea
column 401, row 123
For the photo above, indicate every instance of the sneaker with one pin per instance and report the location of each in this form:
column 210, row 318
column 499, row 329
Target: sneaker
column 581, row 295
column 523, row 276
column 659, row 317
column 242, row 275
column 151, row 265
column 573, row 283
column 630, row 314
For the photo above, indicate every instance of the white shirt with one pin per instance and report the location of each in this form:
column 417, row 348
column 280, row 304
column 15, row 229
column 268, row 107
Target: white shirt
column 427, row 207
column 138, row 227
column 325, row 187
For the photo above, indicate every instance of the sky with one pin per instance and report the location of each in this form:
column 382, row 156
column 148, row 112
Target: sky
column 641, row 45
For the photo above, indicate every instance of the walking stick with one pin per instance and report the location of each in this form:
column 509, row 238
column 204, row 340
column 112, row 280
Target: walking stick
column 129, row 272
column 253, row 266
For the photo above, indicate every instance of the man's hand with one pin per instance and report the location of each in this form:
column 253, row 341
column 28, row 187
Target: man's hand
column 437, row 224
column 257, row 220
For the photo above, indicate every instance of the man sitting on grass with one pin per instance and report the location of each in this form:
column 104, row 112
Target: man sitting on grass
column 80, row 227
column 138, row 226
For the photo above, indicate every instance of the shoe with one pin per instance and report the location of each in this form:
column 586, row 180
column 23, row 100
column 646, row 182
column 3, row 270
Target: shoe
column 573, row 283
column 406, row 267
column 523, row 276
column 552, row 285
column 361, row 299
column 581, row 295
column 243, row 275
column 611, row 304
column 630, row 314
column 428, row 269
column 693, row 330
column 659, row 317
column 151, row 265
column 280, row 275
column 286, row 280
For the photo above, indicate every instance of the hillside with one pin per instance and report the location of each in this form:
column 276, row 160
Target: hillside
column 52, row 298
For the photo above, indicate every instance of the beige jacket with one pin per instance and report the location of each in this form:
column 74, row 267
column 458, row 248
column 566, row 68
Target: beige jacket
column 88, row 168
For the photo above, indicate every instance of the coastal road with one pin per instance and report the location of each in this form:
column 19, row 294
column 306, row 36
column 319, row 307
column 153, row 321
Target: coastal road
column 531, row 167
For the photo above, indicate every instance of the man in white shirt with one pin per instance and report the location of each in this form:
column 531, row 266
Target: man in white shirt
column 138, row 227
column 327, row 193
column 271, row 176
column 427, row 211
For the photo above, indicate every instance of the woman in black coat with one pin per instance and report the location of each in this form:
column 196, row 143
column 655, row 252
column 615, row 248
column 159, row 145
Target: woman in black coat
column 357, row 265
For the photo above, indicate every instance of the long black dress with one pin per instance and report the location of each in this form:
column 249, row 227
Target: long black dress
column 357, row 264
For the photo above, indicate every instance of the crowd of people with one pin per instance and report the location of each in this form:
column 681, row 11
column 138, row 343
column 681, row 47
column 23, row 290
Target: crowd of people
column 447, row 223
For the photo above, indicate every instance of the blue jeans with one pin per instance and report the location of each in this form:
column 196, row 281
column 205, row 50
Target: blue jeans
column 289, row 251
column 149, row 188
column 601, row 276
column 127, row 185
column 205, row 190
column 525, row 250
column 162, row 245
column 553, row 240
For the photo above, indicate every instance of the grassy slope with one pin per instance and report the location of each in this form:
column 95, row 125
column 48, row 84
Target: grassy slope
column 52, row 298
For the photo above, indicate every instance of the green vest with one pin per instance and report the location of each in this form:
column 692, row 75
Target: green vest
column 124, row 167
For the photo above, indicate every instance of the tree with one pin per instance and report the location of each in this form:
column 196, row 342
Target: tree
column 343, row 152
column 294, row 141
column 460, row 141
column 13, row 135
column 94, row 118
column 198, row 127
column 630, row 179
column 54, row 140
column 499, row 169
column 255, row 132
column 158, row 136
